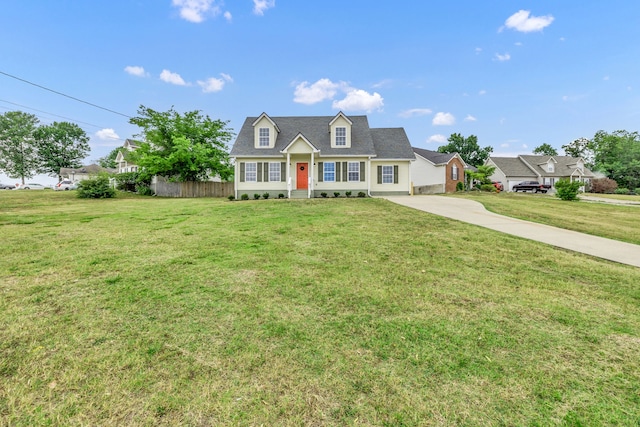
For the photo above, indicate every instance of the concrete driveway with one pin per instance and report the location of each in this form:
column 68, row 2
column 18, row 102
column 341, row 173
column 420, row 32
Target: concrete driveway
column 474, row 212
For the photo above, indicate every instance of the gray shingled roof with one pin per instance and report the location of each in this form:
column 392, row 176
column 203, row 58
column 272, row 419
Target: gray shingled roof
column 565, row 165
column 316, row 130
column 392, row 143
column 90, row 169
column 513, row 166
column 434, row 156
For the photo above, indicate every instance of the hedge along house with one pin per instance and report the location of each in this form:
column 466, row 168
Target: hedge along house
column 303, row 157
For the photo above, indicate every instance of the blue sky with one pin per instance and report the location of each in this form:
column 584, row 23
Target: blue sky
column 515, row 74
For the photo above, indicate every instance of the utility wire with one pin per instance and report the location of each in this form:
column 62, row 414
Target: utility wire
column 65, row 95
column 51, row 114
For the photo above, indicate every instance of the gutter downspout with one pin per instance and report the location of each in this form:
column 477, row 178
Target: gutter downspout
column 369, row 175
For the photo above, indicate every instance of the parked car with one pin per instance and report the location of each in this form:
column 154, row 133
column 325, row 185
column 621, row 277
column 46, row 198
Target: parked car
column 65, row 184
column 30, row 186
column 533, row 186
column 7, row 186
column 498, row 185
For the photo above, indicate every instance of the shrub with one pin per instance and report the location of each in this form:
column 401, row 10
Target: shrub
column 459, row 186
column 603, row 185
column 231, row 198
column 265, row 196
column 280, row 196
column 568, row 190
column 323, row 194
column 488, row 188
column 244, row 197
column 622, row 191
column 256, row 196
column 336, row 194
column 362, row 194
column 637, row 191
column 96, row 188
column 144, row 189
column 347, row 193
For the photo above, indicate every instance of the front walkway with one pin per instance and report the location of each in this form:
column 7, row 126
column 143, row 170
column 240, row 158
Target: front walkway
column 474, row 212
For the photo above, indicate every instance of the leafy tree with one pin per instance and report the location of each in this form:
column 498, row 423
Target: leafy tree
column 482, row 174
column 567, row 189
column 467, row 148
column 188, row 147
column 545, row 150
column 617, row 154
column 18, row 154
column 581, row 147
column 109, row 161
column 60, row 145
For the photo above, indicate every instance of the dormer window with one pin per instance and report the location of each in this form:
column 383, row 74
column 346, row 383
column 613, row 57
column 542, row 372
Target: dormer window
column 263, row 137
column 550, row 167
column 341, row 137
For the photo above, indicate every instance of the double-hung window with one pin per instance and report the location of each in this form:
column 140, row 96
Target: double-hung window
column 354, row 171
column 454, row 172
column 341, row 137
column 263, row 134
column 329, row 172
column 274, row 171
column 387, row 174
column 251, row 172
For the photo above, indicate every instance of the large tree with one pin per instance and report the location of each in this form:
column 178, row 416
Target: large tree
column 60, row 145
column 109, row 161
column 581, row 147
column 182, row 147
column 18, row 154
column 617, row 154
column 467, row 148
column 545, row 150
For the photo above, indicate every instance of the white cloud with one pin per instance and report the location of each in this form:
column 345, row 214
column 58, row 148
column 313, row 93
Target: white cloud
column 173, row 78
column 213, row 84
column 259, row 6
column 438, row 138
column 525, row 146
column 443, row 119
column 482, row 92
column 504, row 145
column 316, row 92
column 518, row 44
column 605, row 78
column 478, row 50
column 196, row 10
column 227, row 16
column 470, row 118
column 523, row 21
column 502, row 58
column 360, row 100
column 414, row 112
column 383, row 83
column 134, row 70
column 107, row 134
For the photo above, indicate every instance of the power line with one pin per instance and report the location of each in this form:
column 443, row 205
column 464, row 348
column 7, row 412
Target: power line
column 51, row 114
column 65, row 95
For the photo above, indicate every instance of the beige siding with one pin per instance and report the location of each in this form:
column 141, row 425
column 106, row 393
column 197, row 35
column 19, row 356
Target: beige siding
column 404, row 179
column 264, row 123
column 340, row 122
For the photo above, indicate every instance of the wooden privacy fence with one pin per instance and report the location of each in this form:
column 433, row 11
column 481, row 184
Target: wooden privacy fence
column 193, row 189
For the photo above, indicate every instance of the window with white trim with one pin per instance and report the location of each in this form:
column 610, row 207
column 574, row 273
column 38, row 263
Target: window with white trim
column 251, row 172
column 341, row 136
column 549, row 167
column 329, row 172
column 354, row 171
column 263, row 134
column 387, row 174
column 454, row 172
column 274, row 171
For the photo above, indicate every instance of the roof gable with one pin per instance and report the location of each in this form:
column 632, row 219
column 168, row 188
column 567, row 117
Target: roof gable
column 265, row 116
column 435, row 157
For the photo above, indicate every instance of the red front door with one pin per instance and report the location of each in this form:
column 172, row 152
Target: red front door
column 302, row 176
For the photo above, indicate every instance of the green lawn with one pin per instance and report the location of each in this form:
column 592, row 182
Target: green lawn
column 618, row 222
column 148, row 311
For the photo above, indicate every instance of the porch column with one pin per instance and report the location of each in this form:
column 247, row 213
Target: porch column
column 311, row 169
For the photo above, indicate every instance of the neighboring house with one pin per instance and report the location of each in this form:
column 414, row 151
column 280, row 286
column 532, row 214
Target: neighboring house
column 123, row 165
column 544, row 169
column 435, row 172
column 306, row 156
column 84, row 172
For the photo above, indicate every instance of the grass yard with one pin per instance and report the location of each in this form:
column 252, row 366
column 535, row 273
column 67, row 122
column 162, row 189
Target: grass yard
column 147, row 311
column 618, row 222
